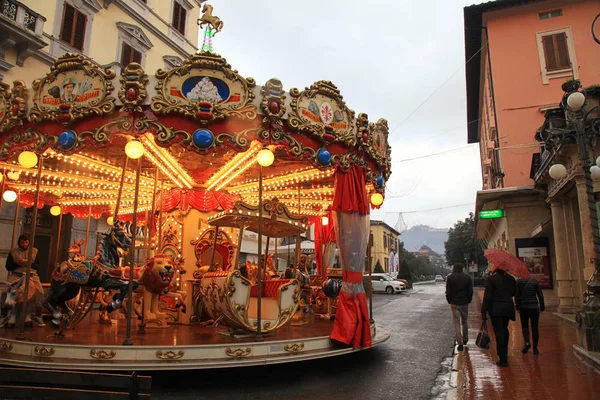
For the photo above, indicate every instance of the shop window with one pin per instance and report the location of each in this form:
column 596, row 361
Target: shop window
column 73, row 26
column 179, row 17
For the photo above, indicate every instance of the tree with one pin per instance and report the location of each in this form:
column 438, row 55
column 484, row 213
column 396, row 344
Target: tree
column 461, row 241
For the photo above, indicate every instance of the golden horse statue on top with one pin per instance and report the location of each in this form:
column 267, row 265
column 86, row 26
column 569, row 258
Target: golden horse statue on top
column 210, row 20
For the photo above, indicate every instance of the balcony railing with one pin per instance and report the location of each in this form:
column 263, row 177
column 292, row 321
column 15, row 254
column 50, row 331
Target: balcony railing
column 22, row 15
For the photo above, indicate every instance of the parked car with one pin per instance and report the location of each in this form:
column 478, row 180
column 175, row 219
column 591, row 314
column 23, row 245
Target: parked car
column 384, row 283
column 439, row 278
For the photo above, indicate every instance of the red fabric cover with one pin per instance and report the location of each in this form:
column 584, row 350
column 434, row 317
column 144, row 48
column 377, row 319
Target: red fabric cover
column 197, row 199
column 323, row 234
column 269, row 288
column 352, row 277
column 352, row 325
column 350, row 191
column 27, row 200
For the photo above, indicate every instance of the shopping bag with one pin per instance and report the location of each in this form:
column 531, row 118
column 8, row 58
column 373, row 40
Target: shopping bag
column 483, row 338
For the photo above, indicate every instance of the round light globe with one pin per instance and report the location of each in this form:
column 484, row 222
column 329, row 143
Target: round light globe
column 28, row 159
column 14, row 175
column 595, row 171
column 598, row 161
column 324, row 221
column 576, row 100
column 265, row 157
column 1, row 177
column 55, row 210
column 9, row 196
column 376, row 199
column 134, row 149
column 110, row 221
column 557, row 171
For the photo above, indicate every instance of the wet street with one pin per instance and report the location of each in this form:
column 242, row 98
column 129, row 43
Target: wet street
column 404, row 367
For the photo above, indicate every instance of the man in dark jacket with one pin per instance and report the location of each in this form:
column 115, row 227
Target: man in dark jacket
column 498, row 302
column 459, row 293
column 528, row 293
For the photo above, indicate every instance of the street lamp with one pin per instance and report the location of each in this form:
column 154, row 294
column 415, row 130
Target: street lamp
column 584, row 131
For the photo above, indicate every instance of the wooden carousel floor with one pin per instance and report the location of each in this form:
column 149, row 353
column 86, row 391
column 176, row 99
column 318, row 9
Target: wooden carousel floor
column 91, row 332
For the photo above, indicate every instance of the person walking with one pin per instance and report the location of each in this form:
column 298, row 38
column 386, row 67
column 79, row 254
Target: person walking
column 529, row 301
column 16, row 264
column 498, row 302
column 459, row 293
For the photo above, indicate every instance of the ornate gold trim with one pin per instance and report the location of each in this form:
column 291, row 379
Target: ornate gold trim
column 169, row 355
column 14, row 104
column 5, row 346
column 73, row 62
column 34, row 139
column 294, row 348
column 273, row 105
column 381, row 160
column 102, row 354
column 164, row 105
column 133, row 87
column 238, row 353
column 42, row 351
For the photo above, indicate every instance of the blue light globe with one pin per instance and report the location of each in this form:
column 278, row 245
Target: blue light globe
column 380, row 181
column 202, row 138
column 324, row 157
column 67, row 139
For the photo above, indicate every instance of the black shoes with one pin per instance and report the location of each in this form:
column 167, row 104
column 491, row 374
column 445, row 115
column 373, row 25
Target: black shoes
column 502, row 363
column 536, row 351
column 465, row 341
column 460, row 347
column 526, row 348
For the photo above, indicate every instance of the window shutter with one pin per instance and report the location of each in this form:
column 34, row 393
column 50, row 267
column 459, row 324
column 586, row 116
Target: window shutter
column 79, row 35
column 182, row 21
column 67, row 23
column 125, row 52
column 549, row 53
column 562, row 50
column 176, row 12
column 137, row 57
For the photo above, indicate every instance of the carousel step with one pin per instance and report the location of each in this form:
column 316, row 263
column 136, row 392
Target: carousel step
column 34, row 383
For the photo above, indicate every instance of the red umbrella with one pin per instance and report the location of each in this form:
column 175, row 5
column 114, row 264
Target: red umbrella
column 507, row 262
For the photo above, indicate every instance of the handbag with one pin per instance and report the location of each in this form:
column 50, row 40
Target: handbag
column 483, row 338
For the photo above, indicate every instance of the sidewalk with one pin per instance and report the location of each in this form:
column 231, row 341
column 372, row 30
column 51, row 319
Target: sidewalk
column 556, row 373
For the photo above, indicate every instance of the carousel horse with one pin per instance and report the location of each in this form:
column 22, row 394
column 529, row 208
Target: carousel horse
column 269, row 271
column 210, row 20
column 15, row 299
column 100, row 272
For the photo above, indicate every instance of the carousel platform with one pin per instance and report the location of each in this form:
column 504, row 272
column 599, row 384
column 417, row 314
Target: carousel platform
column 92, row 346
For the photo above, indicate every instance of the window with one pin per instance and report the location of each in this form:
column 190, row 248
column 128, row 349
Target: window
column 557, row 55
column 556, row 52
column 179, row 17
column 550, row 14
column 129, row 55
column 385, row 241
column 73, row 26
column 386, row 261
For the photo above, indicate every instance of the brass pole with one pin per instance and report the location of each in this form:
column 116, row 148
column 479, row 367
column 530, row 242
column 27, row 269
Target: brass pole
column 128, row 341
column 146, row 237
column 214, row 249
column 142, row 325
column 14, row 235
column 370, row 266
column 239, row 245
column 2, row 186
column 153, row 216
column 116, row 216
column 298, row 237
column 87, row 231
column 60, row 217
column 160, row 219
column 259, row 274
column 21, row 335
column 265, row 255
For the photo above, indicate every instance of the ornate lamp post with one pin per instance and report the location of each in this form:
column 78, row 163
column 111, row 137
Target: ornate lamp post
column 584, row 131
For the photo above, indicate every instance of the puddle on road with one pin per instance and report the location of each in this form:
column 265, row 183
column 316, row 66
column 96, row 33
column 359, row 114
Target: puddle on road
column 442, row 381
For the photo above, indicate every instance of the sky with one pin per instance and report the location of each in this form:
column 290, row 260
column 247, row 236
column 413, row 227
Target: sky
column 395, row 59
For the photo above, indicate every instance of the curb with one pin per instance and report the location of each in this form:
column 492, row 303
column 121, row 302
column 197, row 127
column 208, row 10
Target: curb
column 566, row 317
column 457, row 376
column 592, row 357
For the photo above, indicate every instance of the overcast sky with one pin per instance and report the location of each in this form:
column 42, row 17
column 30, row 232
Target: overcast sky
column 386, row 57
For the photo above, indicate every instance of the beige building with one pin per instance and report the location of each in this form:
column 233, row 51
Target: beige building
column 155, row 33
column 384, row 246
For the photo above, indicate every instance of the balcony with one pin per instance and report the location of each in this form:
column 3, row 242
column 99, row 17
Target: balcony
column 21, row 29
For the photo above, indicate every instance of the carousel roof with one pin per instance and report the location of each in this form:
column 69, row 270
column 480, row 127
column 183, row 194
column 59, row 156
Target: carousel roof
column 201, row 126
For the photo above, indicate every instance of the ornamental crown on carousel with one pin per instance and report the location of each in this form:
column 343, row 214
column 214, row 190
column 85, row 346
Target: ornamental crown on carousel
column 179, row 153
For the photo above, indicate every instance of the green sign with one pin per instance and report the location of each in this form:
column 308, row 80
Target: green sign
column 489, row 214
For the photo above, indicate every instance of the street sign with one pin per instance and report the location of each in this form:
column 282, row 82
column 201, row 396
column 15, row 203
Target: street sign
column 490, row 214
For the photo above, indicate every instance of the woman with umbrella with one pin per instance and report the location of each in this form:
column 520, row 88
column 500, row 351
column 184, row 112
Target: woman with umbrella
column 498, row 296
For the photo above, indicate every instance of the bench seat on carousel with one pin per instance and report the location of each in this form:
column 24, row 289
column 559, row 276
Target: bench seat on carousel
column 230, row 296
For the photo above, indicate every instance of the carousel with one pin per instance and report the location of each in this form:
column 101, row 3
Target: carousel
column 172, row 173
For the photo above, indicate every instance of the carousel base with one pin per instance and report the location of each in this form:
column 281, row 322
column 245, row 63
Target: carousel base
column 93, row 346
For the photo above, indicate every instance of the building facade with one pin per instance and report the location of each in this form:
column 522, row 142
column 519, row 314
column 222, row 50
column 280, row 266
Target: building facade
column 519, row 53
column 385, row 245
column 158, row 34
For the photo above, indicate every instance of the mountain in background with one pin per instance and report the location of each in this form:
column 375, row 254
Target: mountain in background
column 420, row 235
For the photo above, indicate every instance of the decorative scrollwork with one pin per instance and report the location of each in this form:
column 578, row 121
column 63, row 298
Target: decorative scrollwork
column 169, row 355
column 294, row 348
column 13, row 105
column 74, row 88
column 102, row 354
column 133, row 87
column 273, row 102
column 205, row 88
column 238, row 353
column 42, row 351
column 31, row 138
column 313, row 113
column 5, row 346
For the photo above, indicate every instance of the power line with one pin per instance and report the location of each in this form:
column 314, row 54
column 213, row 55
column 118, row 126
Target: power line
column 433, row 154
column 437, row 90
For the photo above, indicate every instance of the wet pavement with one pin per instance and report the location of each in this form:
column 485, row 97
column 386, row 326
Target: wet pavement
column 556, row 373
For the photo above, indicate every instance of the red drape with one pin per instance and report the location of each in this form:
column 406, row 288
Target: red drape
column 350, row 191
column 323, row 234
column 197, row 199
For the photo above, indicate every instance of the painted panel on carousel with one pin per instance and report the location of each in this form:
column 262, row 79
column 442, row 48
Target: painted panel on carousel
column 74, row 88
column 204, row 88
column 320, row 110
column 377, row 145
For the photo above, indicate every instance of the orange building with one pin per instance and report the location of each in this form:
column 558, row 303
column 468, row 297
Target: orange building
column 519, row 53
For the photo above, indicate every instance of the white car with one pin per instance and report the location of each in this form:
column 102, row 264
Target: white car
column 385, row 283
column 439, row 278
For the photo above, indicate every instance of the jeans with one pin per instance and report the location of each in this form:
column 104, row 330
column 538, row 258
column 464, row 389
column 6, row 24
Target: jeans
column 500, row 325
column 460, row 316
column 534, row 315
